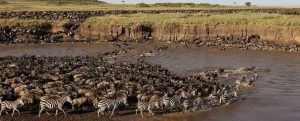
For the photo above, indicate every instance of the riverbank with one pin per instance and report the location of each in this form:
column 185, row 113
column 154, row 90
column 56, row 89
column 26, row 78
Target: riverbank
column 263, row 34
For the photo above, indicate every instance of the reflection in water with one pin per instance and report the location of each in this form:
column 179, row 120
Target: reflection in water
column 276, row 96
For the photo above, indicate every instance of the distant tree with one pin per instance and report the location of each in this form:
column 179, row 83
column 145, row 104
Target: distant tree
column 248, row 4
column 234, row 3
column 142, row 5
column 123, row 1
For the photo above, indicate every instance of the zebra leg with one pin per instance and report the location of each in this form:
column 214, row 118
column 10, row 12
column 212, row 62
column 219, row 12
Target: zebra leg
column 150, row 112
column 98, row 112
column 18, row 111
column 41, row 111
column 73, row 107
column 56, row 111
column 2, row 108
column 102, row 111
column 47, row 113
column 136, row 111
column 108, row 107
column 112, row 112
column 62, row 110
column 194, row 109
column 1, row 112
column 142, row 112
column 13, row 112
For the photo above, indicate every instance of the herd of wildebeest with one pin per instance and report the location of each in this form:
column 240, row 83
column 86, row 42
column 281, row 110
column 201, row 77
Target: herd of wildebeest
column 82, row 15
column 37, row 83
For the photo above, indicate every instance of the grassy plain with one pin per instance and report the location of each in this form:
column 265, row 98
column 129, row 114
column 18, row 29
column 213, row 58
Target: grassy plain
column 21, row 5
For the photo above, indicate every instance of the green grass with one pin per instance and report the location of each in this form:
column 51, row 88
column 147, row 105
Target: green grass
column 195, row 19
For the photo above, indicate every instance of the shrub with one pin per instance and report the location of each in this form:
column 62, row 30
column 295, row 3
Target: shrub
column 248, row 4
column 142, row 5
column 3, row 2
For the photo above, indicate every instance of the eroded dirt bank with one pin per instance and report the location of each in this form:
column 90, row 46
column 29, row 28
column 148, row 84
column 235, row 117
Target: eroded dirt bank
column 246, row 37
column 177, row 33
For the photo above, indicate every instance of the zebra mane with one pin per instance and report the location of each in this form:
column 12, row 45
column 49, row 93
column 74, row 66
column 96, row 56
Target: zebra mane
column 64, row 98
column 122, row 100
column 18, row 101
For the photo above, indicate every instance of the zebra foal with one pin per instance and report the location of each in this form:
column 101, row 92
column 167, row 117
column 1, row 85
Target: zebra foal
column 146, row 105
column 12, row 105
column 107, row 103
column 171, row 101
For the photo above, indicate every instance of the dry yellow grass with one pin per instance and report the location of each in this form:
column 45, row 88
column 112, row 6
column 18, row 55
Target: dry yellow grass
column 173, row 18
column 194, row 19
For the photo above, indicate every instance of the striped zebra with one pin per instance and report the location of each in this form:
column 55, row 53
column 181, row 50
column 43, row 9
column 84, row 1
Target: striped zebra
column 107, row 103
column 171, row 101
column 54, row 104
column 146, row 105
column 11, row 105
column 200, row 103
column 185, row 104
column 228, row 97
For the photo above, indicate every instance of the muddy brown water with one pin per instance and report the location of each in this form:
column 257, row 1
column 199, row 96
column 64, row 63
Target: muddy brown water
column 276, row 96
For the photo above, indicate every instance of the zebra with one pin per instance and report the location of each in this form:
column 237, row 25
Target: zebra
column 146, row 105
column 199, row 103
column 185, row 104
column 171, row 101
column 186, row 95
column 228, row 97
column 56, row 104
column 12, row 105
column 107, row 103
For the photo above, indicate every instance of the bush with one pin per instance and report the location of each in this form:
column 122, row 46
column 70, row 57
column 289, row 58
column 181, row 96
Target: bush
column 248, row 4
column 167, row 4
column 143, row 5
